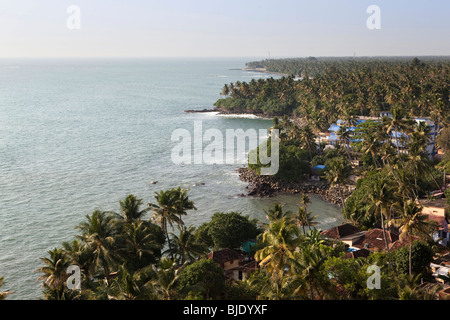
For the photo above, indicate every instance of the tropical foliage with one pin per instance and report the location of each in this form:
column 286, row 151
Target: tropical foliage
column 147, row 252
column 334, row 88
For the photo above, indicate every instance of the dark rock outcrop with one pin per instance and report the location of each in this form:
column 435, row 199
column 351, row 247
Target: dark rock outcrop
column 266, row 186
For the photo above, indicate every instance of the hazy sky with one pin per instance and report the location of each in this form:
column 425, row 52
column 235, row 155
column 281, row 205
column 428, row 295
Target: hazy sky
column 216, row 28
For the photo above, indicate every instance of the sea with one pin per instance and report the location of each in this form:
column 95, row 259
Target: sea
column 78, row 135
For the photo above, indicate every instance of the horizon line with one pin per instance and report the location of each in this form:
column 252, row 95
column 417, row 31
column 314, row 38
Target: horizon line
column 223, row 57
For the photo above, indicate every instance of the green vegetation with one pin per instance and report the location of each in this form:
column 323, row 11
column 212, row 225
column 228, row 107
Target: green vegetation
column 228, row 230
column 149, row 253
column 398, row 168
column 339, row 88
column 121, row 257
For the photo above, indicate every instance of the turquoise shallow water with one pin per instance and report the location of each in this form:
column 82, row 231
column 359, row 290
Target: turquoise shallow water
column 79, row 135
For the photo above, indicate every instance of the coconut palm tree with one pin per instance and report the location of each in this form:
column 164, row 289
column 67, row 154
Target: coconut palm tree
column 306, row 271
column 139, row 245
column 304, row 217
column 373, row 139
column 280, row 241
column 128, row 285
column 396, row 126
column 412, row 222
column 337, row 171
column 307, row 140
column 130, row 209
column 169, row 207
column 345, row 136
column 185, row 246
column 98, row 233
column 225, row 90
column 277, row 212
column 417, row 164
column 54, row 274
column 165, row 276
column 80, row 255
column 380, row 200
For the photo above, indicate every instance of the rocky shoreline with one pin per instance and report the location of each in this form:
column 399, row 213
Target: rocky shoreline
column 267, row 186
column 223, row 111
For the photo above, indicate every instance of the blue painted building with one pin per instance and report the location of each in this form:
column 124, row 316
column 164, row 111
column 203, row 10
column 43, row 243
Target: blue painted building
column 431, row 147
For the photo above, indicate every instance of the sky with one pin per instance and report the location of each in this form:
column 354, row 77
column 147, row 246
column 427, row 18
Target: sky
column 216, row 28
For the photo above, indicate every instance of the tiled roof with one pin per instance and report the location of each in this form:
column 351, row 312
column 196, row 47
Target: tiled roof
column 340, row 231
column 225, row 255
column 373, row 240
column 438, row 203
column 402, row 243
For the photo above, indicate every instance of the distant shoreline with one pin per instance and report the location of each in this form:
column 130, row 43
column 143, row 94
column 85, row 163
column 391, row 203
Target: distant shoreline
column 262, row 70
column 224, row 112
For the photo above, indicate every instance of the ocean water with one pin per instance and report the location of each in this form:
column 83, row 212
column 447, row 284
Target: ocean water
column 78, row 135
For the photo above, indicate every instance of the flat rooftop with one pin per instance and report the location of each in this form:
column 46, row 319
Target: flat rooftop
column 438, row 203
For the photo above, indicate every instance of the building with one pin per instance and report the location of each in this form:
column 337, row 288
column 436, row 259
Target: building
column 437, row 210
column 363, row 243
column 226, row 258
column 244, row 271
column 235, row 264
column 436, row 207
column 396, row 137
column 340, row 232
column 373, row 240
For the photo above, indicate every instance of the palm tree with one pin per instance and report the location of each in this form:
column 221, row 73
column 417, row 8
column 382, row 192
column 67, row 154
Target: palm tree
column 412, row 222
column 139, row 246
column 417, row 164
column 54, row 273
column 372, row 139
column 280, row 241
column 396, row 125
column 169, row 207
column 81, row 255
column 345, row 137
column 225, row 90
column 306, row 275
column 380, row 202
column 165, row 276
column 185, row 246
column 313, row 237
column 129, row 285
column 337, row 171
column 304, row 217
column 277, row 212
column 130, row 209
column 98, row 233
column 182, row 198
column 307, row 140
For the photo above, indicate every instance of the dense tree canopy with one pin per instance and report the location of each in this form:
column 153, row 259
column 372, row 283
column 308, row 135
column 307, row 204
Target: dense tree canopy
column 334, row 88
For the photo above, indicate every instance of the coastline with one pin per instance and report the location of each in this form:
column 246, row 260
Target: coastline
column 263, row 70
column 224, row 112
column 268, row 186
